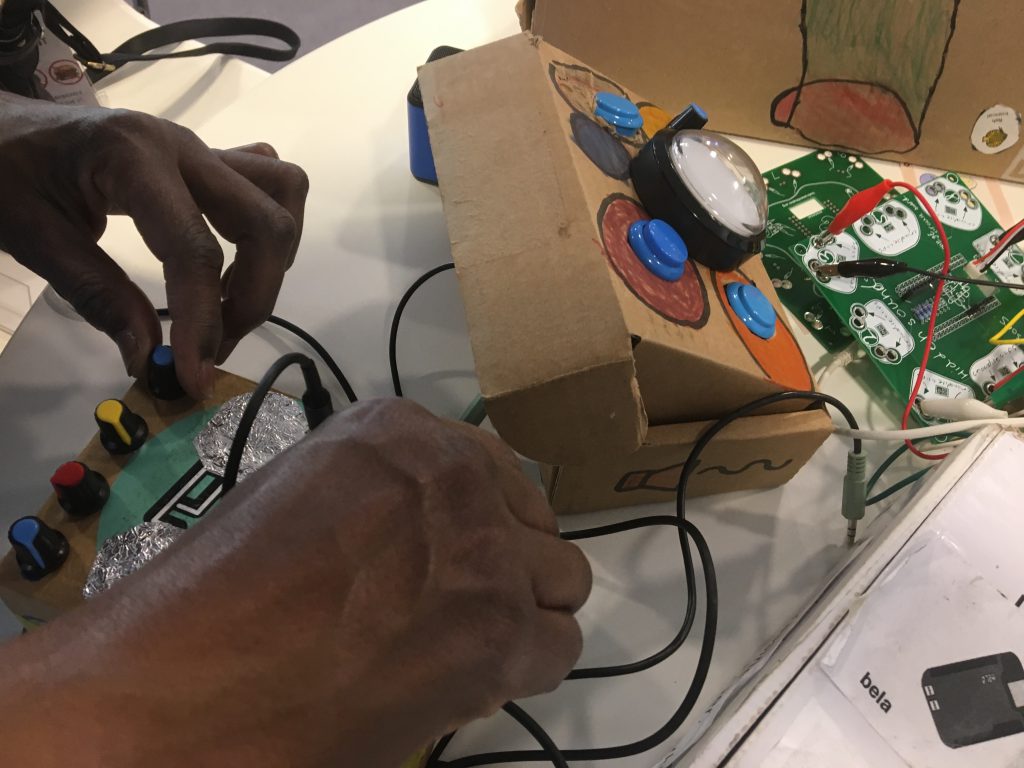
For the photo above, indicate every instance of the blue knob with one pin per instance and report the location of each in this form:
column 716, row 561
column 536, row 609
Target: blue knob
column 38, row 548
column 163, row 355
column 162, row 375
column 753, row 308
column 619, row 112
column 660, row 248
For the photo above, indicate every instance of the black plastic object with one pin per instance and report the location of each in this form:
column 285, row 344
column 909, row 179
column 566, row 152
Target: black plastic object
column 40, row 550
column 421, row 157
column 666, row 197
column 121, row 430
column 162, row 376
column 80, row 490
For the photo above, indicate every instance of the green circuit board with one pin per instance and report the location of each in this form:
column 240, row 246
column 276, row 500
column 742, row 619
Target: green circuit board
column 889, row 316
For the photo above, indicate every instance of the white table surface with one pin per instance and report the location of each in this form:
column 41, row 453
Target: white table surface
column 188, row 91
column 370, row 231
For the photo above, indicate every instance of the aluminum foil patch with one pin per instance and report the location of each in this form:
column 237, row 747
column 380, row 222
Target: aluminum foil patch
column 280, row 423
column 126, row 552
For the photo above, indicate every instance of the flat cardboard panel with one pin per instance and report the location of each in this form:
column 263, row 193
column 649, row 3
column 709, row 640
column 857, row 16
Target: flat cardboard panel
column 932, row 82
column 36, row 602
column 755, row 452
column 563, row 317
column 539, row 307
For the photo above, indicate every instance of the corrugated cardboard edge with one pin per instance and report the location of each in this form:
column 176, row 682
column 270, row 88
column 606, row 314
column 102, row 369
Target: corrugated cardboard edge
column 756, row 452
column 555, row 351
column 524, row 10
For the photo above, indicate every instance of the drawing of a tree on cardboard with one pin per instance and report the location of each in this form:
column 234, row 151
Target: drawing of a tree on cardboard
column 870, row 68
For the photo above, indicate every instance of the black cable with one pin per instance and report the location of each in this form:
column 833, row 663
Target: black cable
column 533, row 728
column 315, row 345
column 393, row 340
column 252, row 409
column 972, row 280
column 321, row 352
column 686, row 530
column 890, row 267
column 692, row 694
column 619, row 670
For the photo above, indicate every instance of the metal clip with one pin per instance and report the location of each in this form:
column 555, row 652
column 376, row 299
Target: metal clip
column 102, row 66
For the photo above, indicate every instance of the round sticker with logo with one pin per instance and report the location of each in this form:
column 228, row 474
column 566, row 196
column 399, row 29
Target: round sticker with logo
column 996, row 130
column 66, row 72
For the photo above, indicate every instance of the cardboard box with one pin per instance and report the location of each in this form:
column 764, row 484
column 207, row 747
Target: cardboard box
column 931, row 82
column 756, row 452
column 37, row 602
column 578, row 348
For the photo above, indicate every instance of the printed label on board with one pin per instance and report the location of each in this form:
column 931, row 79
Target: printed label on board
column 841, row 249
column 62, row 76
column 996, row 129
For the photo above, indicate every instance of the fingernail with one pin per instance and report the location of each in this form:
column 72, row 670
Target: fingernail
column 128, row 344
column 205, row 377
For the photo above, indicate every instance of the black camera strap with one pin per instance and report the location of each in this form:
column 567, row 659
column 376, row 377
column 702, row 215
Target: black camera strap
column 140, row 47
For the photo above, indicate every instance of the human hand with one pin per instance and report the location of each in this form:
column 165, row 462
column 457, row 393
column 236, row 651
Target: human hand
column 64, row 169
column 388, row 579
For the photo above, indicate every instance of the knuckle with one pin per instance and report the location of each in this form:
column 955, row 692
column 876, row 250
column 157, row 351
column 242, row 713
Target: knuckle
column 281, row 226
column 294, row 178
column 126, row 126
column 204, row 251
column 482, row 549
column 583, row 575
column 390, row 411
column 262, row 148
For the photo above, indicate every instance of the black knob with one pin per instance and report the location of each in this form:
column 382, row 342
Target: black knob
column 80, row 490
column 121, row 431
column 163, row 378
column 40, row 549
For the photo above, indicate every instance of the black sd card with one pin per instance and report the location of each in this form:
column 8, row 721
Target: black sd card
column 977, row 700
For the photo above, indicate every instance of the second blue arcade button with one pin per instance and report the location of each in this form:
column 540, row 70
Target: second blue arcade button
column 660, row 248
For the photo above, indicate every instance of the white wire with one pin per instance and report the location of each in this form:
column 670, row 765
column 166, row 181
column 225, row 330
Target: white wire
column 842, row 359
column 986, row 261
column 934, row 431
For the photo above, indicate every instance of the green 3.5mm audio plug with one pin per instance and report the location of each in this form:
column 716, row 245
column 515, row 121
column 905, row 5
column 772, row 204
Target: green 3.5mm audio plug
column 855, row 489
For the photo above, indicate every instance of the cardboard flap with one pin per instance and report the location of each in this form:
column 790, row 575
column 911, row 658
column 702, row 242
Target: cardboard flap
column 572, row 432
column 539, row 298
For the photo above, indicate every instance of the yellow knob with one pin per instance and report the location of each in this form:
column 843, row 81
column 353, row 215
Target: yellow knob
column 110, row 412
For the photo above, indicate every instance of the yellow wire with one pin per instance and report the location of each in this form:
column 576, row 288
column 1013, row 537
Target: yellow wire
column 998, row 338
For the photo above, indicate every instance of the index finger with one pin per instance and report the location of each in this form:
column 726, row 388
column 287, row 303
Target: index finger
column 264, row 232
column 156, row 197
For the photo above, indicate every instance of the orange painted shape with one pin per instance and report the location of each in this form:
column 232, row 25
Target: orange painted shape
column 655, row 118
column 779, row 357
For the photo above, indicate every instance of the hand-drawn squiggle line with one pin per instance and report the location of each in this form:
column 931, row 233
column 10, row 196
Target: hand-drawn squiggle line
column 766, row 465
